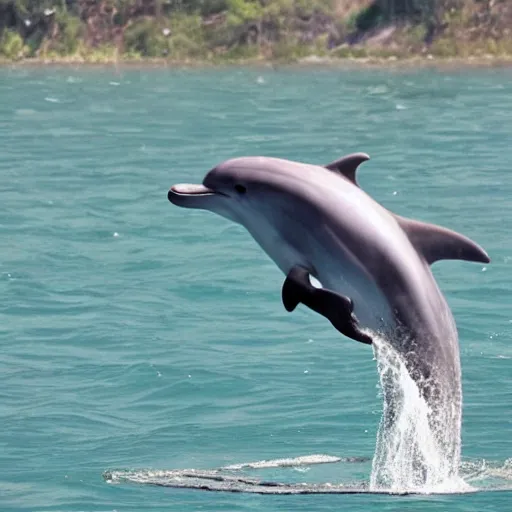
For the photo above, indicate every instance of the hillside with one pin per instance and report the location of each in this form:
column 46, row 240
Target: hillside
column 241, row 30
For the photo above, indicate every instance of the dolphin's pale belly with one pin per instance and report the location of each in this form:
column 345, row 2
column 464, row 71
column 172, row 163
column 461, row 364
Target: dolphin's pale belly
column 370, row 305
column 334, row 271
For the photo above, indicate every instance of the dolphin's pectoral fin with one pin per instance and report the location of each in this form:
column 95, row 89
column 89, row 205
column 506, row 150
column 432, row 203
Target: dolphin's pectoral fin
column 347, row 165
column 438, row 243
column 337, row 308
column 295, row 287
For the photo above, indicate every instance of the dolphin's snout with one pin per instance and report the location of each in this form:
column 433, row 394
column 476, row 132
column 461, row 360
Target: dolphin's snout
column 188, row 195
column 190, row 189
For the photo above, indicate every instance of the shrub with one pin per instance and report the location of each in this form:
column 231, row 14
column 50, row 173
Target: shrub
column 11, row 45
column 182, row 47
column 145, row 37
column 70, row 31
column 243, row 11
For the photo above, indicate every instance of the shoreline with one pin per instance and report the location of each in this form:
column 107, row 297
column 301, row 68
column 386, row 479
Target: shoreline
column 368, row 62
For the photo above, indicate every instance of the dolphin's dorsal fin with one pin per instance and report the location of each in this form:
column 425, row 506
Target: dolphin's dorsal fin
column 347, row 165
column 436, row 243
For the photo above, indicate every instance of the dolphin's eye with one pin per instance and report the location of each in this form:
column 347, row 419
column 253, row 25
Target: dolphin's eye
column 240, row 189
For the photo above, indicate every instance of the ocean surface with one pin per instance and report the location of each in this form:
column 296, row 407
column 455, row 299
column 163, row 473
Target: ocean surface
column 138, row 338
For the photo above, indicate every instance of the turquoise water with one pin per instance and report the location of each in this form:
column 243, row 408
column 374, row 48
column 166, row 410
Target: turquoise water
column 136, row 335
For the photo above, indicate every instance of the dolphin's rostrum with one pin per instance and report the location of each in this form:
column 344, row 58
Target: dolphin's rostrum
column 374, row 266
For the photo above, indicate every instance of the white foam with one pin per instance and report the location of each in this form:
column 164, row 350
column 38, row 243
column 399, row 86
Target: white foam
column 281, row 463
column 408, row 455
column 483, row 475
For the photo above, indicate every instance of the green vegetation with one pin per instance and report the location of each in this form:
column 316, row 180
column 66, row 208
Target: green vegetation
column 11, row 45
column 241, row 30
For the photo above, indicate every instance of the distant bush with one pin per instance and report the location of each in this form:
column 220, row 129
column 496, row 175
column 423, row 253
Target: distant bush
column 145, row 37
column 287, row 51
column 11, row 45
column 69, row 33
column 243, row 11
column 178, row 37
column 444, row 47
column 186, row 38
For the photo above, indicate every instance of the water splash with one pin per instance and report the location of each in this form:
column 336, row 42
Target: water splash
column 483, row 475
column 417, row 449
column 488, row 475
column 288, row 462
column 410, row 456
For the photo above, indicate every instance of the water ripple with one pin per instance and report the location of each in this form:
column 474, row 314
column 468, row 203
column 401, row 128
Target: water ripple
column 137, row 335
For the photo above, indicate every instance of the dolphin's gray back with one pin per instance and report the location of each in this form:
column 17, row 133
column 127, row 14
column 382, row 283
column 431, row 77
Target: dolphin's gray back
column 380, row 250
column 341, row 220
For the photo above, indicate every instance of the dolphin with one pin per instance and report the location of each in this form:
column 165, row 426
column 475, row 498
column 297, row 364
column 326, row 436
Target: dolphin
column 373, row 266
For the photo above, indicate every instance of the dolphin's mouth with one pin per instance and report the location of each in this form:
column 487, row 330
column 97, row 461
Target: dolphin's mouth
column 189, row 189
column 189, row 195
